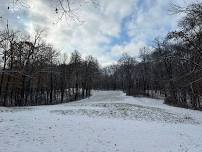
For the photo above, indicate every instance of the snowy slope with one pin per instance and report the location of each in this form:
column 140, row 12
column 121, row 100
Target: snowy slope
column 108, row 121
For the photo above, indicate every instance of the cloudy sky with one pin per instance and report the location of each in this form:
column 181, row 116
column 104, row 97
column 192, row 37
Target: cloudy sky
column 105, row 30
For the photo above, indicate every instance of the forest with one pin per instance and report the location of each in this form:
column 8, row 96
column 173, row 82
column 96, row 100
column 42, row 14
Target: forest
column 173, row 69
column 34, row 73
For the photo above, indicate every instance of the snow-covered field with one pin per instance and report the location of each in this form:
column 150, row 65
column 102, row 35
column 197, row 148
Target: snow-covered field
column 108, row 121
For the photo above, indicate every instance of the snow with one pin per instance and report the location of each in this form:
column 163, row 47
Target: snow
column 109, row 121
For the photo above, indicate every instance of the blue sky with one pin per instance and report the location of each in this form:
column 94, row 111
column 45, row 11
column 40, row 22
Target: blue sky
column 105, row 31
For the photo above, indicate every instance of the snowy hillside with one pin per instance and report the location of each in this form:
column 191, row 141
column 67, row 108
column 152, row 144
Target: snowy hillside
column 108, row 121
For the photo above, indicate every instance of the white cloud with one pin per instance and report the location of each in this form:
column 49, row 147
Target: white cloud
column 131, row 48
column 100, row 25
column 151, row 20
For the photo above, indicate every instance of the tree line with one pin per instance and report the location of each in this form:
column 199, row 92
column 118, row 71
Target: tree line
column 33, row 73
column 172, row 70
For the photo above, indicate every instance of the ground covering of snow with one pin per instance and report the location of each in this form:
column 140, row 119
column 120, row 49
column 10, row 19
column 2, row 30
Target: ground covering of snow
column 108, row 121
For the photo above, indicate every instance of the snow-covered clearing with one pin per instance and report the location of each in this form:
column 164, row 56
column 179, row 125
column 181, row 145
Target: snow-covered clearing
column 108, row 121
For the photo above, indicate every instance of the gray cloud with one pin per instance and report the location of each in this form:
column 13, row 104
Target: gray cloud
column 97, row 26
